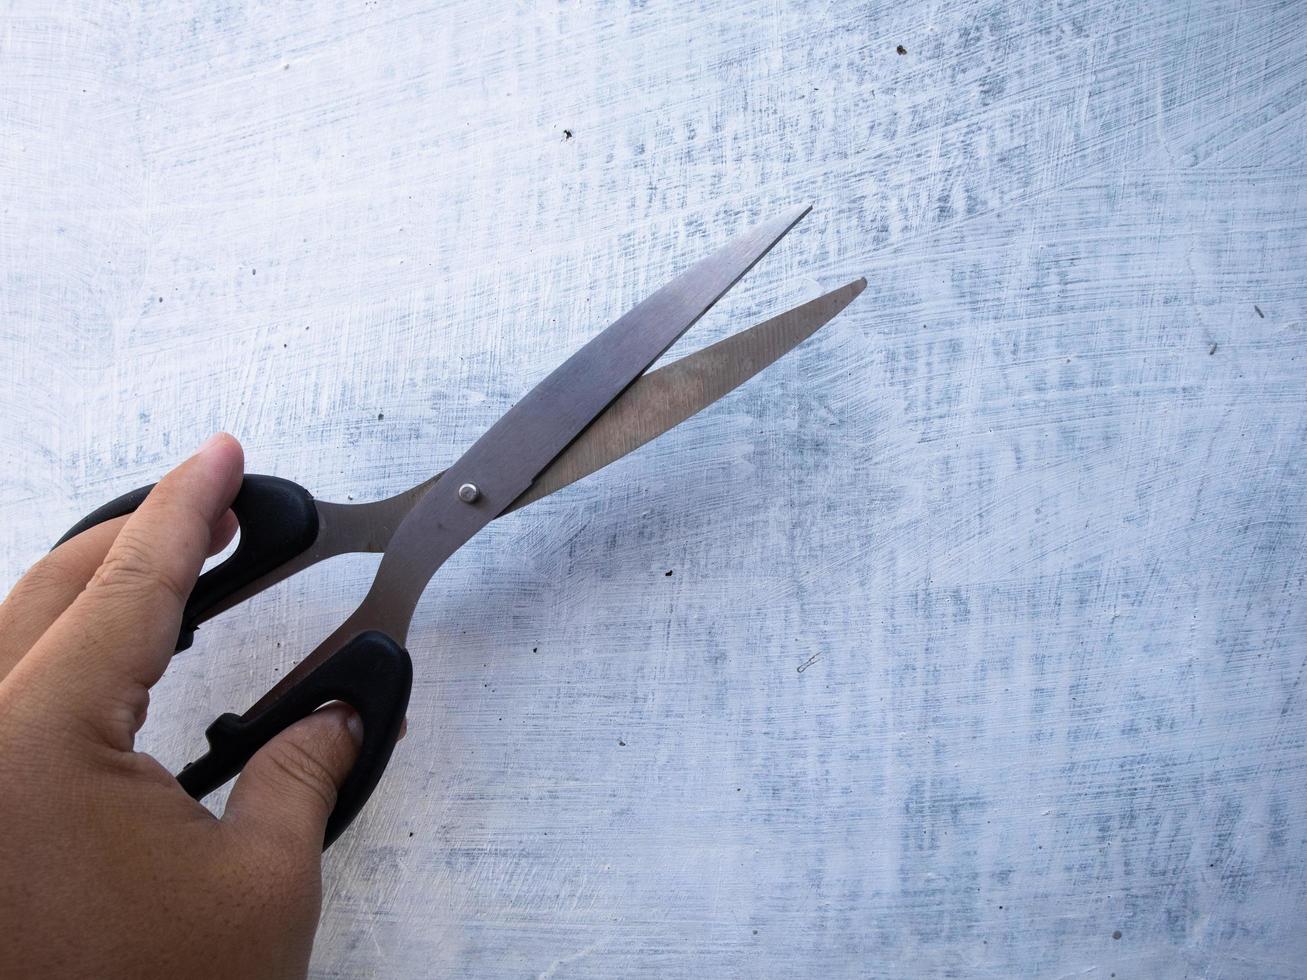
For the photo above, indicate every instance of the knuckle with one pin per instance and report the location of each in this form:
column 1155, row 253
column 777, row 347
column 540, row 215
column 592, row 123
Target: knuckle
column 49, row 576
column 129, row 567
column 296, row 763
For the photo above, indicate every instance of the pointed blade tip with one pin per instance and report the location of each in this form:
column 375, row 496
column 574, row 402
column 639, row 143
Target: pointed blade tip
column 841, row 297
column 847, row 293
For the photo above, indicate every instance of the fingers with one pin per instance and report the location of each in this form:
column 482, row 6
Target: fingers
column 288, row 789
column 48, row 588
column 116, row 638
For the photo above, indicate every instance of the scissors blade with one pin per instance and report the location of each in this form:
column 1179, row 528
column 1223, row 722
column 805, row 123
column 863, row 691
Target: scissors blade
column 657, row 401
column 663, row 399
column 515, row 451
column 502, row 464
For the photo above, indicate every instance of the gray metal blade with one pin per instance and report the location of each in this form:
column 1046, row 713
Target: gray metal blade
column 503, row 463
column 525, row 440
column 657, row 401
column 663, row 399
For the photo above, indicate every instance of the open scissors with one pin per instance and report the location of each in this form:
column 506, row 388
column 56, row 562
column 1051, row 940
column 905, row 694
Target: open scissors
column 593, row 409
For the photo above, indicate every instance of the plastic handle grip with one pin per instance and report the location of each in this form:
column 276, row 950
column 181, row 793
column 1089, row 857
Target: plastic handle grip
column 278, row 521
column 371, row 673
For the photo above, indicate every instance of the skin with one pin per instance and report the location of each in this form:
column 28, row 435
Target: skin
column 108, row 868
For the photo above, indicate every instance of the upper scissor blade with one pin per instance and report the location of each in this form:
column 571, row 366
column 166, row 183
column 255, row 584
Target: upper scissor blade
column 663, row 399
column 502, row 464
column 526, row 439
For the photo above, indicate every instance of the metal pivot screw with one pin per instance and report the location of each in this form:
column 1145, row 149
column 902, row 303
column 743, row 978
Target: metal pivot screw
column 468, row 493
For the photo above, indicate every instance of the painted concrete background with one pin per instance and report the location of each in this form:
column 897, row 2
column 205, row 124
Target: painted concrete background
column 969, row 640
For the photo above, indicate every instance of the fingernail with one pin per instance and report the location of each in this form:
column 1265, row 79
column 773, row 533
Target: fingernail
column 403, row 729
column 355, row 725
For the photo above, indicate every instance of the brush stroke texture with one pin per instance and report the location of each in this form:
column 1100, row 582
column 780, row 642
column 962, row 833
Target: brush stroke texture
column 984, row 635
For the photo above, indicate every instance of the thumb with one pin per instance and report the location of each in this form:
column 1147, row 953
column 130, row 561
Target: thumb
column 288, row 790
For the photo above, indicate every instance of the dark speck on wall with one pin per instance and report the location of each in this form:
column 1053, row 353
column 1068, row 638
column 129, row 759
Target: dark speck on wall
column 380, row 416
column 254, row 272
column 1212, row 351
column 1116, row 934
column 668, row 573
column 620, row 742
column 567, row 134
column 901, row 49
column 1259, row 311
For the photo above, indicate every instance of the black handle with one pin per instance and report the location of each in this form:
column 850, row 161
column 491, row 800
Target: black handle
column 371, row 673
column 278, row 520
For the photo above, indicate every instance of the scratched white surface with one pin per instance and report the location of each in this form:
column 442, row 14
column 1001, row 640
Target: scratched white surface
column 1032, row 513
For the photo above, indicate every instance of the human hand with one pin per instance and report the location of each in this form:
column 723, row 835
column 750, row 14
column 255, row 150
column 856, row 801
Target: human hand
column 108, row 868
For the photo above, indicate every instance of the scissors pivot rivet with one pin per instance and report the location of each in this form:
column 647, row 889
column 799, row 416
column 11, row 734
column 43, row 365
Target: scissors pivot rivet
column 468, row 493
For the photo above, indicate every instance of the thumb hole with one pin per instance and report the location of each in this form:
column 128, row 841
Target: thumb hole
column 288, row 789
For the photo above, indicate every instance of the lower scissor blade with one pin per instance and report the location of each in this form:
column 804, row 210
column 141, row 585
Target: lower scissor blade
column 663, row 399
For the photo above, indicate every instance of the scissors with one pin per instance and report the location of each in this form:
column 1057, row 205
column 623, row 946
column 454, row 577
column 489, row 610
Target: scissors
column 596, row 407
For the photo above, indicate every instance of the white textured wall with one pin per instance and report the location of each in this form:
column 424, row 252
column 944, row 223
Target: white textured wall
column 1032, row 512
